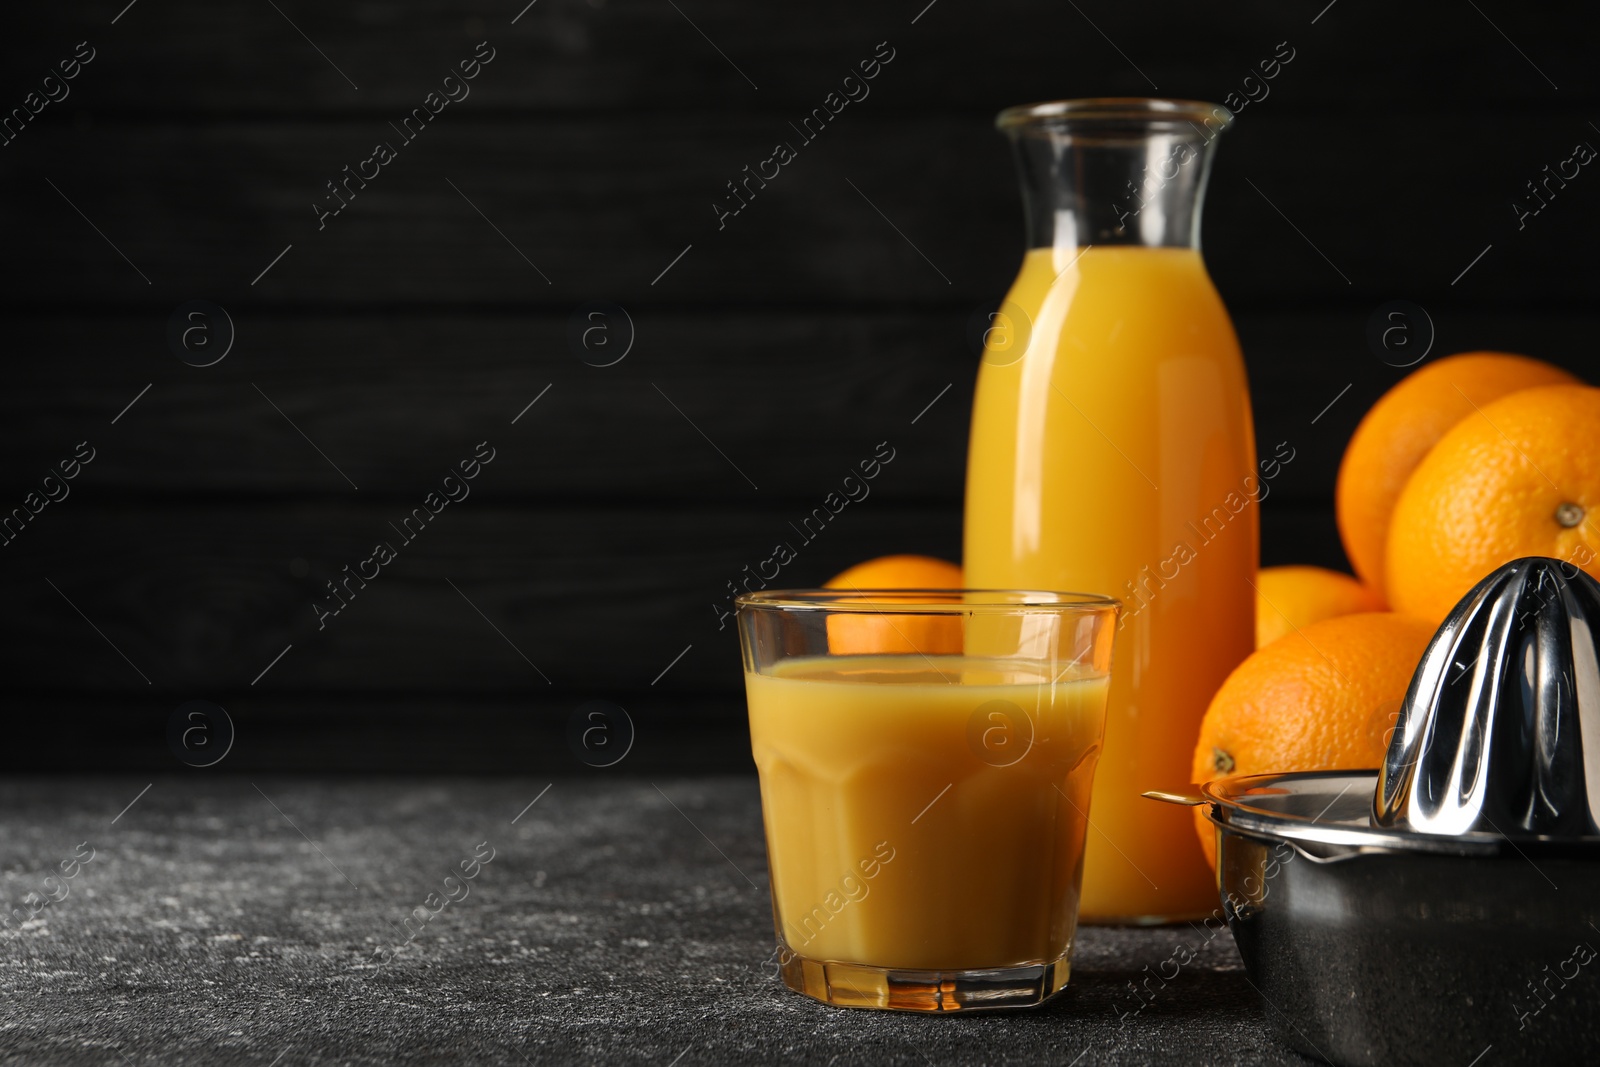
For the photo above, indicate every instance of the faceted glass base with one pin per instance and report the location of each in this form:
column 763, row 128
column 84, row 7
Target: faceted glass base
column 852, row 985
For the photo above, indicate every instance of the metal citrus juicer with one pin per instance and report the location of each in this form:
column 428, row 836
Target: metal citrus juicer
column 1444, row 909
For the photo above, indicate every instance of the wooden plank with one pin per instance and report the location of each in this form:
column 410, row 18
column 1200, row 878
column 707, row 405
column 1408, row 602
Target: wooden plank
column 792, row 400
column 82, row 718
column 204, row 598
column 1301, row 532
column 623, row 210
column 521, row 734
column 569, row 54
column 559, row 604
column 701, row 403
column 1313, row 376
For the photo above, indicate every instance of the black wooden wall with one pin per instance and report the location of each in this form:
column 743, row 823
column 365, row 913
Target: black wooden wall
column 375, row 348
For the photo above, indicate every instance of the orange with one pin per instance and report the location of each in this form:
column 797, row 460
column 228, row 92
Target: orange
column 1407, row 421
column 899, row 572
column 1288, row 598
column 1321, row 698
column 895, row 632
column 1520, row 477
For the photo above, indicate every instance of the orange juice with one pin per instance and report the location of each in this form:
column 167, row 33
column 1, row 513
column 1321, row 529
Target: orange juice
column 897, row 837
column 1112, row 453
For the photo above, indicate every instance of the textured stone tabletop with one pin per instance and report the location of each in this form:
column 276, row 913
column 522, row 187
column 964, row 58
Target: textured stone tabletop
column 618, row 920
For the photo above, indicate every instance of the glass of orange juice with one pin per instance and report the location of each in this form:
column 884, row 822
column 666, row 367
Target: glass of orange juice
column 926, row 759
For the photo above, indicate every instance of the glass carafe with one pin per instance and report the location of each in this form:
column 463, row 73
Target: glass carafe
column 1112, row 452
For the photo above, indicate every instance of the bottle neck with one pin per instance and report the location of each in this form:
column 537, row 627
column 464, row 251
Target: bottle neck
column 1114, row 172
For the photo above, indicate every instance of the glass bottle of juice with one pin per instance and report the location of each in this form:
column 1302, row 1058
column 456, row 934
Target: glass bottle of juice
column 1112, row 452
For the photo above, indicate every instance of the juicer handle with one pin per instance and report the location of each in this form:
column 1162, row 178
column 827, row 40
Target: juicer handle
column 1188, row 800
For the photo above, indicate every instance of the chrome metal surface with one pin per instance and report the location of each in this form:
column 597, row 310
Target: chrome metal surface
column 1371, row 955
column 1326, row 811
column 1446, row 909
column 1500, row 731
column 1377, row 946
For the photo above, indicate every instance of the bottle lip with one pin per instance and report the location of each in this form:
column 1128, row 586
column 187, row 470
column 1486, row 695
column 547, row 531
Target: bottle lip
column 1105, row 113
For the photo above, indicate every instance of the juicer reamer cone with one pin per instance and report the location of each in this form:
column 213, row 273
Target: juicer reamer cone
column 1500, row 730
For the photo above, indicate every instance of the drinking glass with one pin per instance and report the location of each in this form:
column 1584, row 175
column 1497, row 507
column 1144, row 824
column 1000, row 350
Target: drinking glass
column 925, row 759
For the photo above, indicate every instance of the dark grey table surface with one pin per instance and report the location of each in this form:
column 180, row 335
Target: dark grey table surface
column 230, row 920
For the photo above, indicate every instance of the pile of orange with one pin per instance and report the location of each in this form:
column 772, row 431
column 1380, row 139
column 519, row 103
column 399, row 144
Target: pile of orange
column 1468, row 463
column 1473, row 461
